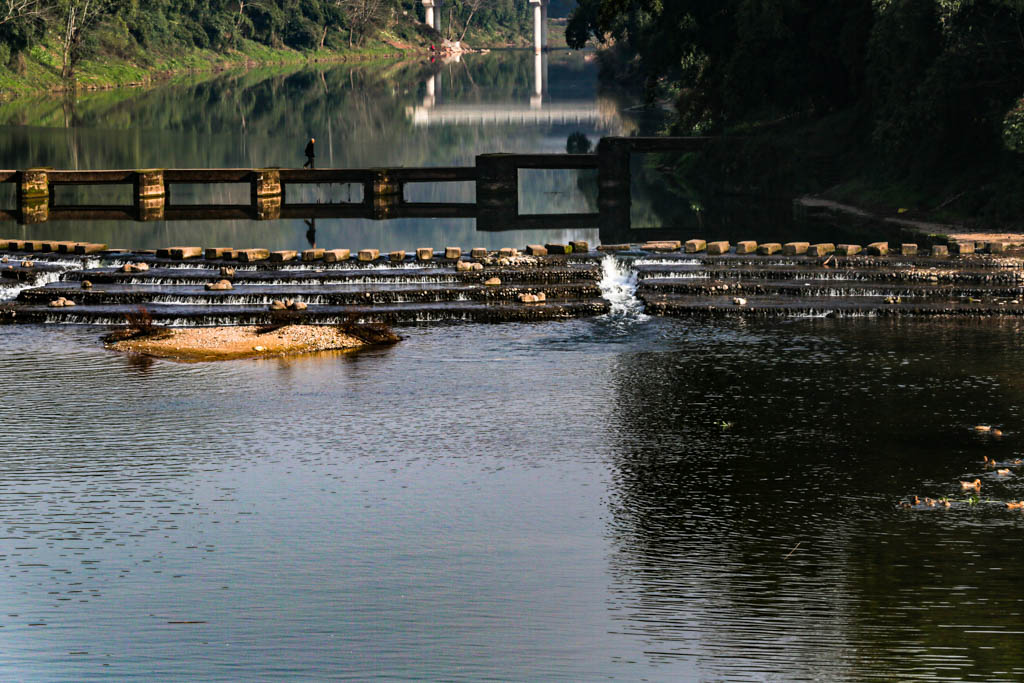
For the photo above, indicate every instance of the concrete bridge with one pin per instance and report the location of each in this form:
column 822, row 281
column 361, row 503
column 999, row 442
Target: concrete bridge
column 540, row 20
column 434, row 111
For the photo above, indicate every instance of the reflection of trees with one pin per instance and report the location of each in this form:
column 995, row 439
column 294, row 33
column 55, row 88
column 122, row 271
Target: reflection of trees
column 829, row 425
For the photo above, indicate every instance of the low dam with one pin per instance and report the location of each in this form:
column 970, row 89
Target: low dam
column 67, row 282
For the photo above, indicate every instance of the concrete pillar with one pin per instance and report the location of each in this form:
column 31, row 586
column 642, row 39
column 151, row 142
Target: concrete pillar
column 267, row 208
column 382, row 187
column 33, row 183
column 266, row 182
column 431, row 97
column 497, row 182
column 149, row 208
column 148, row 184
column 432, row 17
column 613, row 174
column 34, row 210
column 538, row 26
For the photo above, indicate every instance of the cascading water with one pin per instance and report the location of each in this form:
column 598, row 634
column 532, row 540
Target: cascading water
column 618, row 286
column 11, row 293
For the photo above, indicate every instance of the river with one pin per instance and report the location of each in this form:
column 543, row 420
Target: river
column 623, row 497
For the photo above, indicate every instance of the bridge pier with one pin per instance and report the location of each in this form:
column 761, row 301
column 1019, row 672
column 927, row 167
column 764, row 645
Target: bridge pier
column 540, row 25
column 432, row 18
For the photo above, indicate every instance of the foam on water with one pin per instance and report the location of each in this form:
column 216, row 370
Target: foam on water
column 618, row 286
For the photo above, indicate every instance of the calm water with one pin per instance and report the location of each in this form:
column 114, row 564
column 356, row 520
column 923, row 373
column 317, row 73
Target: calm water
column 536, row 502
column 622, row 498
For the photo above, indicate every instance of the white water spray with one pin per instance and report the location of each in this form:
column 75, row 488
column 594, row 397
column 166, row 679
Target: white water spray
column 618, row 286
column 11, row 293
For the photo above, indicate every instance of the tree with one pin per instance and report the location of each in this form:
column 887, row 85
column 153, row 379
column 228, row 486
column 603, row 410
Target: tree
column 13, row 10
column 77, row 18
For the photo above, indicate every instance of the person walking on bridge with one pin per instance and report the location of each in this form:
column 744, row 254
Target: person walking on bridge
column 310, row 154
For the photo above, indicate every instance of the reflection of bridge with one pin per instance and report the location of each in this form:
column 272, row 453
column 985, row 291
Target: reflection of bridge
column 433, row 112
column 540, row 20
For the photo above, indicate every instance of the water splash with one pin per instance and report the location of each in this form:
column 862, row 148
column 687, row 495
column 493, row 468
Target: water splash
column 618, row 286
column 11, row 293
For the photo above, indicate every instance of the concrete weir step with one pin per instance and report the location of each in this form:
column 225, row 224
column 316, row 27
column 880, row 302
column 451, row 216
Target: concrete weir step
column 984, row 277
column 333, row 295
column 826, row 289
column 485, row 312
column 769, row 307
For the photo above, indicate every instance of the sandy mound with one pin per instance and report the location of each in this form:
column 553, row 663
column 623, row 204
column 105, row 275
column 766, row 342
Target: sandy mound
column 228, row 343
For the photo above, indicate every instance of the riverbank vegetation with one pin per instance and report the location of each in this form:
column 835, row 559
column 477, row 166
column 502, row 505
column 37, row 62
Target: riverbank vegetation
column 64, row 44
column 912, row 104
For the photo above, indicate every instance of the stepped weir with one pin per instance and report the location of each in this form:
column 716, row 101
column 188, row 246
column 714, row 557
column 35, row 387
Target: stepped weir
column 67, row 282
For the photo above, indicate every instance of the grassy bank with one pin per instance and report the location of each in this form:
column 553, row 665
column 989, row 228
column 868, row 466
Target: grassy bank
column 39, row 69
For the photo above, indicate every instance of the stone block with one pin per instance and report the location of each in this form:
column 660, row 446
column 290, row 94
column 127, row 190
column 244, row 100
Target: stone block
column 186, row 252
column 217, row 252
column 266, row 182
column 252, row 255
column 769, row 248
column 452, row 252
column 660, row 245
column 508, row 252
column 16, row 245
column 48, row 246
column 719, row 247
column 878, row 249
column 149, row 183
column 478, row 252
column 848, row 249
column 314, row 254
column 84, row 248
column 613, row 247
column 965, row 247
column 283, row 255
column 424, row 254
column 694, row 246
column 821, row 249
column 336, row 255
column 66, row 247
column 396, row 256
column 34, row 184
column 996, row 247
column 555, row 248
column 746, row 247
column 366, row 255
column 219, row 286
column 908, row 249
column 536, row 250
column 795, row 248
column 579, row 246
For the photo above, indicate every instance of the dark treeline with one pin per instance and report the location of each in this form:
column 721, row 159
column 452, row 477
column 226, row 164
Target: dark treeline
column 134, row 29
column 926, row 87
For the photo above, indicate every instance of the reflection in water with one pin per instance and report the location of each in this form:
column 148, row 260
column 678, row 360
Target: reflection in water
column 754, row 519
column 261, row 118
column 683, row 502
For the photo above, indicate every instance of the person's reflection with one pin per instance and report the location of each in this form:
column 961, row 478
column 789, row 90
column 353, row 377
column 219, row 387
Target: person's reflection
column 311, row 231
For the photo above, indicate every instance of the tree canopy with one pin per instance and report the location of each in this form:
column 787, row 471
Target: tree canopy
column 935, row 80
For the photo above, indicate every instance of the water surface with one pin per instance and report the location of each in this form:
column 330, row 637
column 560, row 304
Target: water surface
column 556, row 501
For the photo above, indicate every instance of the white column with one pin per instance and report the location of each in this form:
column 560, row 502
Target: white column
column 538, row 73
column 429, row 100
column 429, row 5
column 538, row 27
